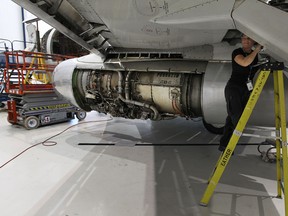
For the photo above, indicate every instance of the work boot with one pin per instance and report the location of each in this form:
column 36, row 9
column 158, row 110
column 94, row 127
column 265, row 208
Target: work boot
column 222, row 149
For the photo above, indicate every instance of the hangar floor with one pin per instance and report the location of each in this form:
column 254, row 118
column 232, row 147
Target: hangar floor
column 119, row 167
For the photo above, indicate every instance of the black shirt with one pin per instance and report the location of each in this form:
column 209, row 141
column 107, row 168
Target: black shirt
column 241, row 74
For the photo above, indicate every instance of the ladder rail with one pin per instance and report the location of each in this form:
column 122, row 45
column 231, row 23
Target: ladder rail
column 278, row 138
column 283, row 136
column 261, row 80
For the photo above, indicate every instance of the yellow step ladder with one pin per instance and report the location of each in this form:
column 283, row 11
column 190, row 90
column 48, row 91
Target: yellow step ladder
column 281, row 137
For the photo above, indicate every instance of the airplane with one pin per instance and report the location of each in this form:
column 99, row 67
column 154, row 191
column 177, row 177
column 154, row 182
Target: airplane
column 160, row 59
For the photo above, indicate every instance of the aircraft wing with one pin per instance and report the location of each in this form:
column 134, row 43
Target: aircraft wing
column 149, row 24
column 139, row 77
column 101, row 25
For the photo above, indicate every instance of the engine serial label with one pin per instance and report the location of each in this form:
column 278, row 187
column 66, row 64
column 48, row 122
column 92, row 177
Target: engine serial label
column 167, row 79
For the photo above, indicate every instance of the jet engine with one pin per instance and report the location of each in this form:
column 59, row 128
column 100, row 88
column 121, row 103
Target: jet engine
column 153, row 86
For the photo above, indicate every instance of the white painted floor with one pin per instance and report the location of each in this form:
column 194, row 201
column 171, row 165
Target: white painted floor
column 96, row 169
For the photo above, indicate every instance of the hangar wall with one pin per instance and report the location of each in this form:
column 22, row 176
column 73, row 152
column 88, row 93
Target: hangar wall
column 12, row 27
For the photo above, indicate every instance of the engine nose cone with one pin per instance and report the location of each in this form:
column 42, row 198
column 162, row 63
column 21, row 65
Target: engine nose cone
column 62, row 79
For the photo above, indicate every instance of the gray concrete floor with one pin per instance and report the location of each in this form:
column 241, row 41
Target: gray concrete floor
column 122, row 167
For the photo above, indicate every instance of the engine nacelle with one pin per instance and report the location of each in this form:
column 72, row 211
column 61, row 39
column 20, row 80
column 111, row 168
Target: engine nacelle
column 155, row 89
column 131, row 93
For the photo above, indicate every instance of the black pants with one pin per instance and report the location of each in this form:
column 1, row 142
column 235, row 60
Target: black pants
column 236, row 98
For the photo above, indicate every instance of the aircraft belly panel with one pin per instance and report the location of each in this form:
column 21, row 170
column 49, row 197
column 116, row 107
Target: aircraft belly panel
column 147, row 24
column 209, row 14
column 153, row 36
column 160, row 24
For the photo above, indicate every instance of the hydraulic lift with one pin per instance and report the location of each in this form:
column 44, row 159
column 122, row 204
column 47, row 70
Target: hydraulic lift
column 33, row 101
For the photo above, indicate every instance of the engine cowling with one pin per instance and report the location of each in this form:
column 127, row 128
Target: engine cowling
column 131, row 90
column 154, row 88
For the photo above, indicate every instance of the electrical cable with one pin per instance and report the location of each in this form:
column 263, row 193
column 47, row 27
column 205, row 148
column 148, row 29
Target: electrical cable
column 48, row 142
column 176, row 108
column 271, row 155
column 268, row 155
